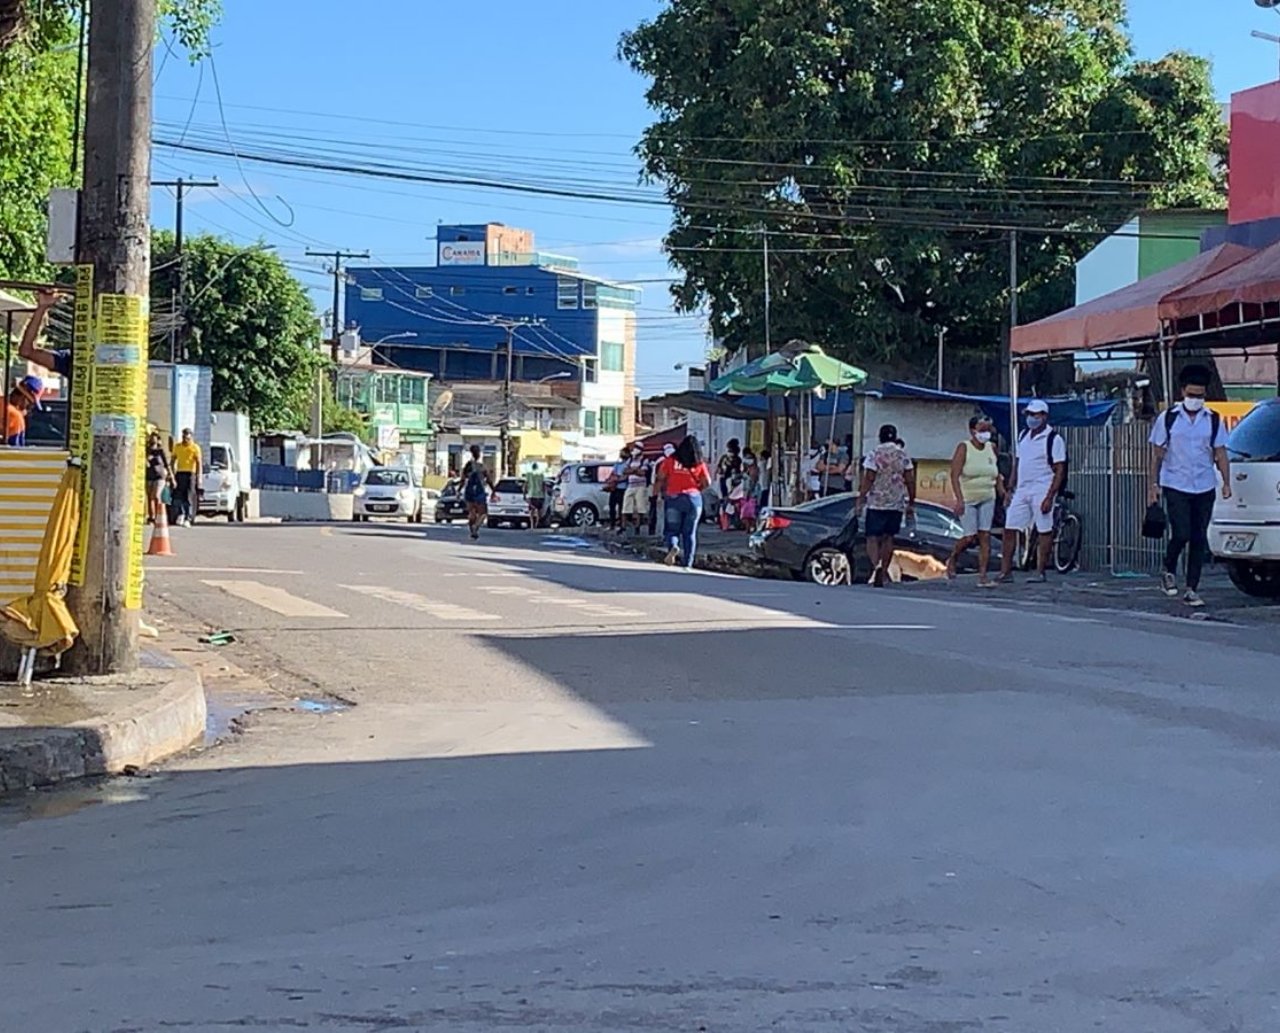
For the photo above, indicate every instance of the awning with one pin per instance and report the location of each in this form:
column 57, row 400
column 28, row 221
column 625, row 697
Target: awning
column 1253, row 281
column 1127, row 316
column 713, row 405
column 1063, row 412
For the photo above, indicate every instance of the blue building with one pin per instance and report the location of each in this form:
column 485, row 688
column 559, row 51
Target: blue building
column 580, row 333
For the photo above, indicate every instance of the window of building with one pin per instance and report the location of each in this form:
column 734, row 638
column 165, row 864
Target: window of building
column 370, row 293
column 590, row 371
column 588, row 423
column 566, row 292
column 531, row 290
column 508, row 290
column 611, row 356
column 384, row 390
column 455, row 290
column 423, row 292
column 610, row 420
column 588, row 295
column 411, row 390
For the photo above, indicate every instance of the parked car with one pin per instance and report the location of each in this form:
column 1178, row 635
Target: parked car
column 578, row 496
column 449, row 504
column 509, row 505
column 800, row 539
column 1245, row 532
column 389, row 491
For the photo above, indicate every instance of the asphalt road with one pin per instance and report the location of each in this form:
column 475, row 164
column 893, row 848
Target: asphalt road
column 571, row 791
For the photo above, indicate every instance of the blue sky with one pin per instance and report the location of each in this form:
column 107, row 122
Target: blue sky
column 509, row 88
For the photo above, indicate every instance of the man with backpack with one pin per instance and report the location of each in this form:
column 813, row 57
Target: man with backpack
column 476, row 489
column 1188, row 455
column 1039, row 474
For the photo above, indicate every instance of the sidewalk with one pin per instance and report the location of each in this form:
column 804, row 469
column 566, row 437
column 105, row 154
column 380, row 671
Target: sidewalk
column 66, row 728
column 727, row 552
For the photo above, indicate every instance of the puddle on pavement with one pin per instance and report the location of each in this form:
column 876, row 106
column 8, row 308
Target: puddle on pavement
column 321, row 706
column 64, row 801
column 567, row 542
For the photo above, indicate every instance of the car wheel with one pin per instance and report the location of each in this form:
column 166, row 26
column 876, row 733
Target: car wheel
column 584, row 515
column 242, row 509
column 231, row 516
column 1260, row 580
column 826, row 566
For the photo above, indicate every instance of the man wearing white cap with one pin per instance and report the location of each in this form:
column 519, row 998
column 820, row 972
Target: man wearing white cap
column 1039, row 471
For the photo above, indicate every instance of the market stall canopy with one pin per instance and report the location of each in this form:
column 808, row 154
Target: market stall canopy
column 797, row 367
column 711, row 405
column 1124, row 317
column 1253, row 281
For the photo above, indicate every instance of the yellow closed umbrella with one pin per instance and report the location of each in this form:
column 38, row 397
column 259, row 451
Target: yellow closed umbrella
column 41, row 620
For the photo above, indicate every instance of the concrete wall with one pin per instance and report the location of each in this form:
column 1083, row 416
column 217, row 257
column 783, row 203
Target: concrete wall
column 304, row 505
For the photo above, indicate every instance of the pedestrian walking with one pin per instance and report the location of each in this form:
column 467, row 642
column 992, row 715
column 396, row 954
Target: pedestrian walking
column 680, row 480
column 616, row 485
column 188, row 461
column 1188, row 462
column 535, row 493
column 888, row 493
column 159, row 476
column 477, row 487
column 729, row 466
column 1039, row 472
column 635, row 501
column 657, row 504
column 976, row 484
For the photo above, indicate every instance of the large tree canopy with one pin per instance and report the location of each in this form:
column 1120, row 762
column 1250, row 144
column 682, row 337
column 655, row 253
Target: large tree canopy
column 888, row 148
column 248, row 319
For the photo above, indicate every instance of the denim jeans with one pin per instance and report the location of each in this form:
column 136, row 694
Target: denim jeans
column 684, row 511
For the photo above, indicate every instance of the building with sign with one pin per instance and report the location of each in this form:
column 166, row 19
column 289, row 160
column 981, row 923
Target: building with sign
column 492, row 293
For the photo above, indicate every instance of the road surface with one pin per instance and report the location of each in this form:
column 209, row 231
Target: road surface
column 534, row 786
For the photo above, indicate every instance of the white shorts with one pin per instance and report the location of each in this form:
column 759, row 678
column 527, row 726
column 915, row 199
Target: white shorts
column 977, row 516
column 636, row 501
column 1024, row 511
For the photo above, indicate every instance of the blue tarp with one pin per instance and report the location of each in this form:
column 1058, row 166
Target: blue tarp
column 1063, row 412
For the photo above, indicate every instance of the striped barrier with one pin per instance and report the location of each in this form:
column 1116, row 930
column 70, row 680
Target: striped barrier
column 29, row 479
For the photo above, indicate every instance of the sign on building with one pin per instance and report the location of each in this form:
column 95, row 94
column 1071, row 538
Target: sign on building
column 464, row 252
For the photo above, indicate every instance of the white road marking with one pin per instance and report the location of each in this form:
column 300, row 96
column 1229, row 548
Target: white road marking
column 440, row 610
column 165, row 568
column 596, row 609
column 507, row 590
column 275, row 599
column 482, row 573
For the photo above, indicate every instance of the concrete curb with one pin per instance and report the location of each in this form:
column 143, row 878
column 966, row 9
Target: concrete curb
column 137, row 734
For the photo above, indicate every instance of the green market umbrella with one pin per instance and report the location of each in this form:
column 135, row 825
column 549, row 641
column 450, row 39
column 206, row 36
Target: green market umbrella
column 796, row 368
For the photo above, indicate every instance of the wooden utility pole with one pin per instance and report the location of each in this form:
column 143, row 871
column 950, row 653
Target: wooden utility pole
column 115, row 238
column 180, row 187
column 337, row 256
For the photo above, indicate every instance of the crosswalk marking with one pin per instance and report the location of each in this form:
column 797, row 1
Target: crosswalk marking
column 275, row 599
column 507, row 590
column 483, row 573
column 587, row 606
column 439, row 610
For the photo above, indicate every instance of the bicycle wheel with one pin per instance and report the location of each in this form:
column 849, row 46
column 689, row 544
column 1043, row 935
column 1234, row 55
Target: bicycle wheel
column 1066, row 544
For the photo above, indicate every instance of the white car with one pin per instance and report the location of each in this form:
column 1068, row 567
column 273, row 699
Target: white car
column 388, row 491
column 578, row 497
column 1245, row 533
column 508, row 504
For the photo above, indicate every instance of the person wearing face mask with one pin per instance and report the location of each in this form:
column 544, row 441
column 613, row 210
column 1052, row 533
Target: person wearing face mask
column 1188, row 456
column 635, row 501
column 656, row 501
column 1039, row 472
column 975, row 483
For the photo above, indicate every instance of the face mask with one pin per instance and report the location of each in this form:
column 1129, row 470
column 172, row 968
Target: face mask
column 983, row 436
column 668, row 450
column 1035, row 422
column 1193, row 404
column 636, row 454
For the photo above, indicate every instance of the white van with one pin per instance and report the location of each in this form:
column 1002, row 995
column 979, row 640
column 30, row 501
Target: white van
column 1245, row 533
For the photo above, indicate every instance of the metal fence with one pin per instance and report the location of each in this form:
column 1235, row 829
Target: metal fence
column 1109, row 475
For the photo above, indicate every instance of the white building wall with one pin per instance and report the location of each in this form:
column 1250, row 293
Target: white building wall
column 610, row 388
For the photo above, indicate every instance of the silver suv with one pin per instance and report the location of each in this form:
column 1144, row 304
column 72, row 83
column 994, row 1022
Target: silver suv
column 578, row 496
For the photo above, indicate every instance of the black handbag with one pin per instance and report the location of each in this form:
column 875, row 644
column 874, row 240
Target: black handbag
column 1155, row 523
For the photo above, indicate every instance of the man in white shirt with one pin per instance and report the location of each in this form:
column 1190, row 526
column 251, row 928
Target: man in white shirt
column 1039, row 472
column 1188, row 459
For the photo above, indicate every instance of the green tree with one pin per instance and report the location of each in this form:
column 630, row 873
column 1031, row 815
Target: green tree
column 249, row 320
column 889, row 148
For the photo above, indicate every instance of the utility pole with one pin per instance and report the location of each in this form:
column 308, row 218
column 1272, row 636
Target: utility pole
column 1013, row 322
column 337, row 257
column 179, row 187
column 504, row 429
column 115, row 239
column 942, row 337
column 764, row 236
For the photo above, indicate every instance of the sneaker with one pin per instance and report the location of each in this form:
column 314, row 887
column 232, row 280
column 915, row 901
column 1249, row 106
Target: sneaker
column 672, row 555
column 1169, row 585
column 1192, row 598
column 1004, row 579
column 1038, row 579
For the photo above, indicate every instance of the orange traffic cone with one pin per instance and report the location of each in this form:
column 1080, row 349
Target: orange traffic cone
column 160, row 536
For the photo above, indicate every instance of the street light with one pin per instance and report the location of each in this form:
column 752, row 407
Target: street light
column 563, row 374
column 404, row 335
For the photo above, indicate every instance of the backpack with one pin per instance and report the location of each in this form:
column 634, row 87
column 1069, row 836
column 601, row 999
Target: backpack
column 473, row 487
column 1171, row 417
column 1052, row 436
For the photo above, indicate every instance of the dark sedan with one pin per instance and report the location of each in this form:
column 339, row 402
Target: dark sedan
column 449, row 506
column 801, row 539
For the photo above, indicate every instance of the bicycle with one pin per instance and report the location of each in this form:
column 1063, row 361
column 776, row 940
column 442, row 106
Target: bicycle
column 1068, row 537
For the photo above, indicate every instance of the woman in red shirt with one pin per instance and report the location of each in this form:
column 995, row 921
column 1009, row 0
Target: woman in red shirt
column 680, row 480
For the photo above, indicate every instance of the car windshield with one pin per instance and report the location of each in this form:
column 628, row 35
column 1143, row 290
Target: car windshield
column 1256, row 438
column 388, row 478
column 509, row 486
column 218, row 457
